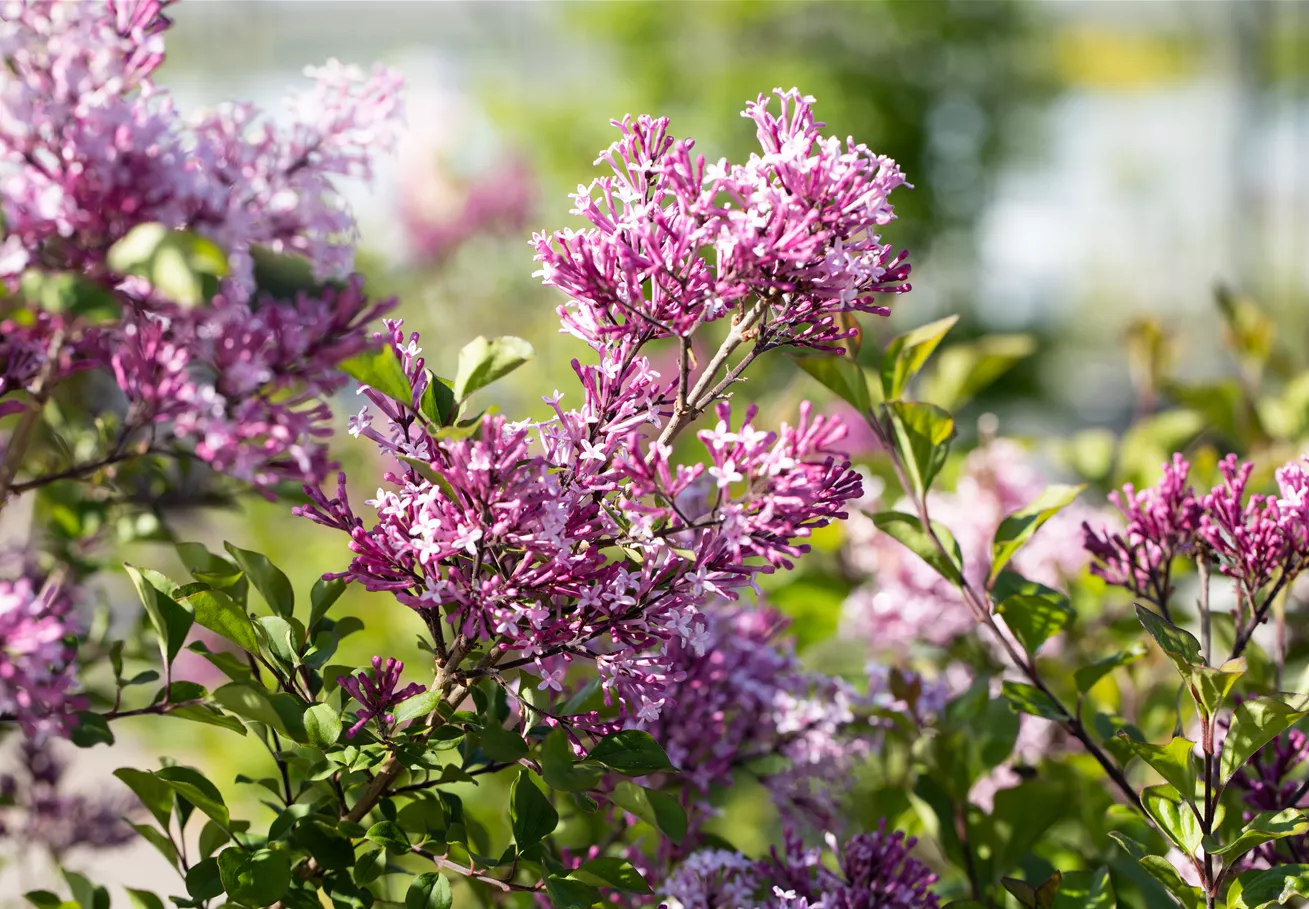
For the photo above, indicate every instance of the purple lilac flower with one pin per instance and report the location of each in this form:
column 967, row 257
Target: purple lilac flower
column 1250, row 540
column 41, row 813
column 712, row 879
column 1162, row 522
column 1269, row 782
column 906, row 601
column 498, row 201
column 795, row 227
column 38, row 653
column 516, row 546
column 90, row 148
column 378, row 694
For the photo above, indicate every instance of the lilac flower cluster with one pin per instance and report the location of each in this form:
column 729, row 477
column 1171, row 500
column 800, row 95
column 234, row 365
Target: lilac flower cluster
column 1257, row 540
column 874, row 871
column 40, row 812
column 378, row 695
column 793, row 230
column 91, row 147
column 38, row 655
column 524, row 542
column 746, row 697
column 498, row 201
column 1269, row 782
column 907, row 601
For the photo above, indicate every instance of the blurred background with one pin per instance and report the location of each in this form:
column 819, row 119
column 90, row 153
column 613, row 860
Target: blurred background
column 1085, row 175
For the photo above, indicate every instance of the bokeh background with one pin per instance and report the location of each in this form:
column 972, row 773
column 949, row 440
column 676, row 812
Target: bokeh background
column 1085, row 175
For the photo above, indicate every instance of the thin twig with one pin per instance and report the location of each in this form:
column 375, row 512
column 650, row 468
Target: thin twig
column 22, row 435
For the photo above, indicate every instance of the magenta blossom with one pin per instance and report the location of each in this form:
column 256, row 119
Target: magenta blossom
column 38, row 655
column 377, row 695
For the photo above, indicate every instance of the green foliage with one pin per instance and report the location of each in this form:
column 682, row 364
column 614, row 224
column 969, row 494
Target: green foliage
column 183, row 266
column 481, row 362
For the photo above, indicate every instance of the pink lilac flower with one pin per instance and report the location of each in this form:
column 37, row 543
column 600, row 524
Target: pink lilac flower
column 523, row 543
column 39, row 811
column 498, row 201
column 377, row 695
column 794, row 228
column 91, row 147
column 38, row 655
column 1252, row 540
column 1162, row 522
column 906, row 601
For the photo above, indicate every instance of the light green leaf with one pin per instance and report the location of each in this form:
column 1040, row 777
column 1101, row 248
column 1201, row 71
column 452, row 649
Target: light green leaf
column 840, row 375
column 1180, row 645
column 558, row 768
column 155, row 795
column 1087, row 676
column 258, row 878
column 1210, row 687
column 390, row 835
column 1015, row 530
column 191, row 785
column 1255, row 723
column 419, row 705
column 216, row 611
column 961, row 371
column 565, row 893
column 171, row 620
column 322, row 726
column 1173, row 817
column 921, row 434
column 908, row 530
column 631, row 752
column 1024, row 698
column 481, row 362
column 907, row 353
column 1175, row 762
column 1086, row 890
column 175, row 262
column 1263, row 828
column 381, row 371
column 1268, row 887
column 611, row 871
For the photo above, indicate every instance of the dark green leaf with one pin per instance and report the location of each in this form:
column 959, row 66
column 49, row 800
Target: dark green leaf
column 1087, row 676
column 154, row 793
column 390, row 835
column 204, row 881
column 558, row 768
column 144, row 899
column 429, row 891
column 658, row 809
column 1180, row 646
column 611, row 871
column 841, row 375
column 533, row 817
column 171, row 620
column 257, row 878
column 321, row 598
column 481, row 362
column 92, row 729
column 1086, row 890
column 570, row 894
column 631, row 752
column 438, row 402
column 370, row 866
column 267, row 578
column 196, row 789
column 501, row 744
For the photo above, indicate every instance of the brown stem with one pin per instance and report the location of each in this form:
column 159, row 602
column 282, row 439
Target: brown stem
column 1203, row 564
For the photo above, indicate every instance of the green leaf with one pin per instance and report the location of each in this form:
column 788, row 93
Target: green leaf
column 257, row 878
column 1263, row 828
column 1268, row 887
column 1159, row 869
column 907, row 353
column 429, row 891
column 324, row 594
column 171, row 620
column 1087, row 676
column 92, row 729
column 370, row 866
column 1086, row 890
column 1040, row 897
column 1021, row 817
column 144, row 899
column 501, row 744
column 1175, row 762
column 217, row 611
column 88, row 895
column 1024, row 698
column 390, row 835
column 322, row 726
column 65, row 292
column 1210, row 687
column 44, row 899
column 631, row 752
column 267, row 578
column 174, row 261
column 419, row 705
column 1180, row 645
column 532, row 815
column 908, row 530
column 204, row 880
column 841, row 375
column 329, row 847
column 1015, row 530
column 438, row 402
column 611, row 871
column 558, row 768
column 1177, row 821
column 1255, row 723
column 961, row 371
column 281, row 711
column 921, row 434
column 212, row 838
column 1035, row 619
column 565, row 893
column 158, row 840
column 154, row 793
column 481, row 362
column 191, row 785
column 658, row 809
column 381, row 371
